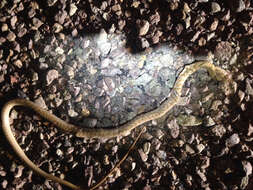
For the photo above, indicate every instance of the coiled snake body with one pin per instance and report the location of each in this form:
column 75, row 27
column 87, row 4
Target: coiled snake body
column 174, row 97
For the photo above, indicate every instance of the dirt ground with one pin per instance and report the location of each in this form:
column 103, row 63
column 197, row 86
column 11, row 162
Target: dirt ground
column 205, row 143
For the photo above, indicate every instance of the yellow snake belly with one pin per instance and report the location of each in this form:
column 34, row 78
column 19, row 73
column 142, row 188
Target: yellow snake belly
column 173, row 98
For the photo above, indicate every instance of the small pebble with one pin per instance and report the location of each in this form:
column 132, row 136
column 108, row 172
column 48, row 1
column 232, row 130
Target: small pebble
column 233, row 140
column 146, row 147
column 51, row 2
column 59, row 152
column 4, row 184
column 214, row 25
column 249, row 88
column 106, row 160
column 70, row 150
column 57, row 28
column 2, row 173
column 51, row 76
column 143, row 156
column 4, row 27
column 180, row 143
column 238, row 5
column 159, row 133
column 59, row 50
column 247, row 167
column 200, row 148
column 241, row 95
column 14, row 20
column 73, row 9
column 133, row 165
column 205, row 162
column 188, row 120
column 19, row 171
column 209, row 121
column 218, row 130
column 215, row 105
column 18, row 63
column 144, row 27
column 72, row 113
column 188, row 149
column 215, row 7
column 37, row 23
column 201, row 175
column 11, row 36
column 174, row 128
column 161, row 154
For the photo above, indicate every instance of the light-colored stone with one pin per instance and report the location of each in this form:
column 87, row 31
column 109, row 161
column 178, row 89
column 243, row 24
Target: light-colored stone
column 11, row 36
column 233, row 140
column 72, row 9
column 59, row 50
column 189, row 149
column 200, row 148
column 215, row 7
column 4, row 27
column 18, row 63
column 144, row 28
column 51, row 75
column 188, row 120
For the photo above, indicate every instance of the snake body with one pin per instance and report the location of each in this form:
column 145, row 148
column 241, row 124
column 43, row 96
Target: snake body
column 173, row 98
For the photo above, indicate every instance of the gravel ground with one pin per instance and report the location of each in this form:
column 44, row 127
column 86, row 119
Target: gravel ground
column 111, row 60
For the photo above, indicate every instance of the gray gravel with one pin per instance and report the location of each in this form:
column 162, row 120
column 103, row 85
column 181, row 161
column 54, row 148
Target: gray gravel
column 115, row 81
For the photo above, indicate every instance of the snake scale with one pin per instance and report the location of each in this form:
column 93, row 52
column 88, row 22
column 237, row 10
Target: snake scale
column 173, row 98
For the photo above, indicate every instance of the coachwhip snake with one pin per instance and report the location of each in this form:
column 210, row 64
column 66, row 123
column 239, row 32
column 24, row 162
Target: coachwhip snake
column 174, row 97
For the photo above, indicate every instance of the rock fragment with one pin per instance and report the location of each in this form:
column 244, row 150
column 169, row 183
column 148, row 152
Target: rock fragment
column 188, row 120
column 142, row 43
column 14, row 20
column 143, row 27
column 18, row 63
column 249, row 88
column 174, row 128
column 51, row 2
column 51, row 76
column 73, row 9
column 36, row 23
column 11, row 36
column 143, row 156
column 233, row 140
column 189, row 149
column 215, row 7
column 237, row 5
column 4, row 27
column 57, row 28
column 214, row 25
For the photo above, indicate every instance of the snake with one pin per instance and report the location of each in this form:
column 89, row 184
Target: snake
column 173, row 98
